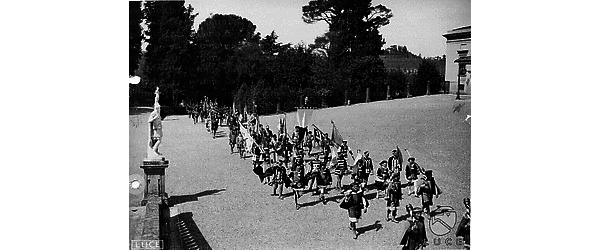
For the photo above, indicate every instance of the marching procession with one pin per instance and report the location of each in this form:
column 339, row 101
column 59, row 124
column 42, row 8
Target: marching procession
column 306, row 162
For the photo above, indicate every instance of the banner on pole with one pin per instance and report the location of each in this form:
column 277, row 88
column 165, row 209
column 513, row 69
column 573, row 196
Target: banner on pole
column 336, row 137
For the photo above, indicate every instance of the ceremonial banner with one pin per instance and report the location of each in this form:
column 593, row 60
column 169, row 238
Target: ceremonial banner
column 336, row 137
column 303, row 116
column 285, row 125
column 281, row 126
column 247, row 138
column 319, row 135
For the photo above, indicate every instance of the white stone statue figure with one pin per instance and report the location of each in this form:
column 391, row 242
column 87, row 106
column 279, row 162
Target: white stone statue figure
column 155, row 130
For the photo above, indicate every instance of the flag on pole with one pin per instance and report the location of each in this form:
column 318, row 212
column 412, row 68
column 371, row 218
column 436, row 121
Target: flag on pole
column 280, row 126
column 247, row 138
column 285, row 125
column 319, row 135
column 336, row 137
column 303, row 116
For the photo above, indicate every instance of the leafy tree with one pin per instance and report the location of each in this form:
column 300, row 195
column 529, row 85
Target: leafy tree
column 353, row 25
column 397, row 81
column 427, row 74
column 269, row 44
column 135, row 35
column 227, row 54
column 167, row 61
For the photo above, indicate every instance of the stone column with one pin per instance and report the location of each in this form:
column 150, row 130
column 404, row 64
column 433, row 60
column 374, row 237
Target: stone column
column 368, row 99
column 154, row 173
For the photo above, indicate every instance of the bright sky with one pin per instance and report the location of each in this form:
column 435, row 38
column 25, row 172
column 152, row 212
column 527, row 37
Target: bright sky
column 417, row 24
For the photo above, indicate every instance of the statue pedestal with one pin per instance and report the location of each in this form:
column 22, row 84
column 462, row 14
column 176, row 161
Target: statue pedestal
column 154, row 172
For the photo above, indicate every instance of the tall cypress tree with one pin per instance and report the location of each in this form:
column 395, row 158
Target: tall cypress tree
column 135, row 35
column 167, row 63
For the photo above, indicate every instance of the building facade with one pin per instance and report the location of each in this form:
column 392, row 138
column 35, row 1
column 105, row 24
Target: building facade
column 458, row 54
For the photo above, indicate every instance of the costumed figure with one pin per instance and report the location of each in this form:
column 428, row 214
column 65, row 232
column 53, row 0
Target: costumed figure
column 354, row 201
column 383, row 174
column 395, row 161
column 298, row 182
column 340, row 169
column 393, row 196
column 464, row 228
column 368, row 169
column 278, row 180
column 413, row 170
column 427, row 190
column 415, row 236
column 240, row 145
column 268, row 161
column 323, row 180
column 256, row 155
column 308, row 142
column 345, row 149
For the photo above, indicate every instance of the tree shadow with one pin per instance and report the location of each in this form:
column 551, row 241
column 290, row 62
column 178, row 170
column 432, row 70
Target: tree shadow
column 189, row 234
column 178, row 199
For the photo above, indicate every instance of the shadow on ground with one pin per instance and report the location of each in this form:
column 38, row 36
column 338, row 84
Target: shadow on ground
column 178, row 199
column 375, row 226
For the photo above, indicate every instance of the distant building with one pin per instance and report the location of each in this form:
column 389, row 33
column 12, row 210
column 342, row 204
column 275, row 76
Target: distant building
column 458, row 40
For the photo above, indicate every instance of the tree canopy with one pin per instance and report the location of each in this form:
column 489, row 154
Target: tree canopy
column 135, row 35
column 226, row 60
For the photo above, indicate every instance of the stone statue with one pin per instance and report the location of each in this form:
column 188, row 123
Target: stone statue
column 155, row 130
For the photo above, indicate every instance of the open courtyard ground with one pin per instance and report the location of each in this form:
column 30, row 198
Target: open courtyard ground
column 233, row 210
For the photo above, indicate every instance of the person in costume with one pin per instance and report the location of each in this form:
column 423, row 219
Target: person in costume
column 355, row 202
column 381, row 177
column 298, row 182
column 323, row 180
column 368, row 169
column 427, row 190
column 464, row 228
column 393, row 196
column 413, row 170
column 278, row 180
column 340, row 169
column 415, row 236
column 345, row 150
column 395, row 161
column 240, row 145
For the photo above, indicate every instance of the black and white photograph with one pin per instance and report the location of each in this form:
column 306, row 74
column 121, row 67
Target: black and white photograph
column 306, row 124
